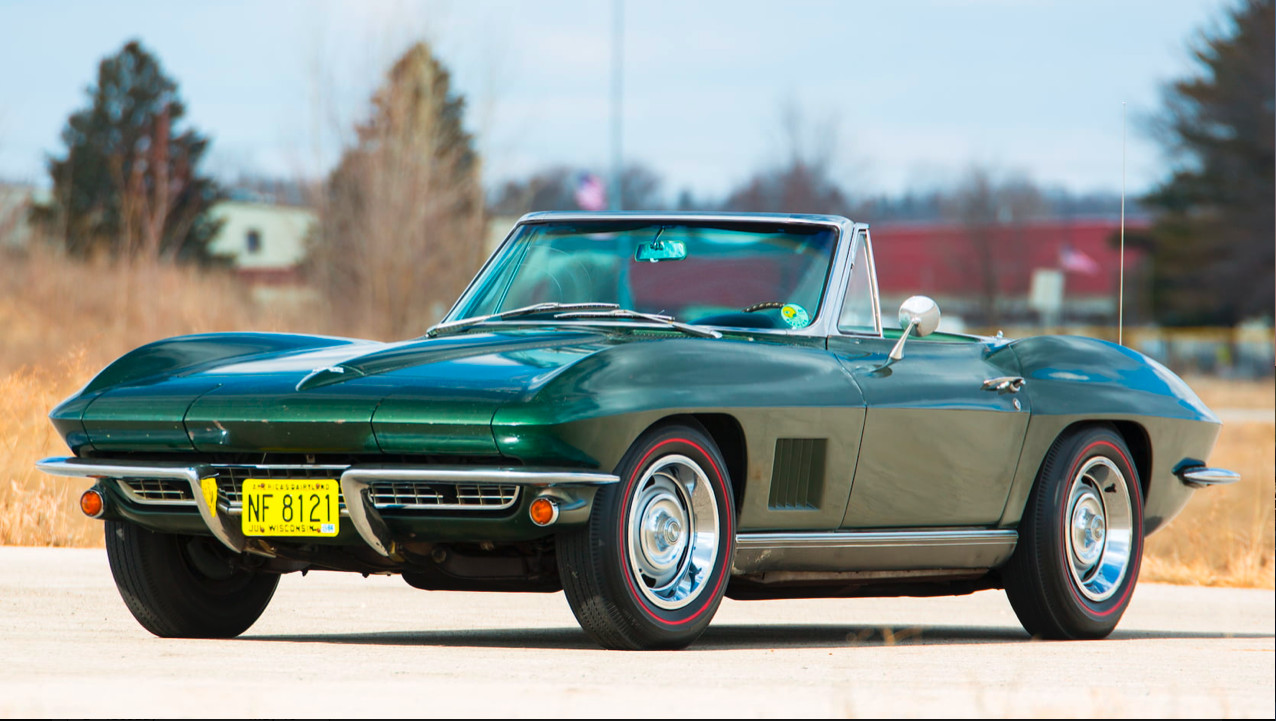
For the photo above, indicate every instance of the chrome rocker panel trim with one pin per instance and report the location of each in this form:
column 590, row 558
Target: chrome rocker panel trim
column 873, row 550
column 354, row 481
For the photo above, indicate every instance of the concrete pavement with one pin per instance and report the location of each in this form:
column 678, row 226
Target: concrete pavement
column 341, row 645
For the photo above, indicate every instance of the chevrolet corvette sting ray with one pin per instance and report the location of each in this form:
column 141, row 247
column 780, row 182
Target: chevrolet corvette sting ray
column 649, row 412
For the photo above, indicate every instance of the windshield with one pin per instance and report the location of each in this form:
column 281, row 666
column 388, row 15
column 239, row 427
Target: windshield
column 757, row 275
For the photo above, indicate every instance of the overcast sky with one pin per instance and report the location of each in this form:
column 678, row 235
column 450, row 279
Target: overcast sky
column 917, row 91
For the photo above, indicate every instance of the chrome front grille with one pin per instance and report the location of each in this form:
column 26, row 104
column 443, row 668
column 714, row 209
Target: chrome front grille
column 230, row 479
column 385, row 494
column 441, row 496
column 158, row 491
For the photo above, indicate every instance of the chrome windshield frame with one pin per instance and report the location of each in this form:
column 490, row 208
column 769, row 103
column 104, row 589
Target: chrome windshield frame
column 861, row 229
column 823, row 325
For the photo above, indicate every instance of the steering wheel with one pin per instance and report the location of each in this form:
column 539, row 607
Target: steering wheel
column 769, row 305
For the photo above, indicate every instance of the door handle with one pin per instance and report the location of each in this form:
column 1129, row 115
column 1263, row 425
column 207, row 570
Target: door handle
column 1007, row 384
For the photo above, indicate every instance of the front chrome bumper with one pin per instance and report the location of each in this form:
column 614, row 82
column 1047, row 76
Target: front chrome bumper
column 357, row 482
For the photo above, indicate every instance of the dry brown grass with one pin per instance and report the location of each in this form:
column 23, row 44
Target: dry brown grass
column 1225, row 535
column 1220, row 393
column 36, row 509
column 61, row 322
column 50, row 306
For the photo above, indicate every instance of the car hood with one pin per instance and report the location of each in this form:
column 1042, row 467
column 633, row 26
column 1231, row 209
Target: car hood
column 426, row 396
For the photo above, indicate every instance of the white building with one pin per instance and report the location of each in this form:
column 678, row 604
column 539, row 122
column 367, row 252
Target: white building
column 16, row 201
column 263, row 240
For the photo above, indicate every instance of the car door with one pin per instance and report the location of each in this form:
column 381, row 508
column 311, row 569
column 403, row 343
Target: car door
column 940, row 446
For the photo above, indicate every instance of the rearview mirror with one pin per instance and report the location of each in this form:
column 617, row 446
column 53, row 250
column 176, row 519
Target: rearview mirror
column 659, row 250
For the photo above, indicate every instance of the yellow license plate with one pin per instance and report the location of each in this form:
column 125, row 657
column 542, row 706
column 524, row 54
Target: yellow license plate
column 275, row 507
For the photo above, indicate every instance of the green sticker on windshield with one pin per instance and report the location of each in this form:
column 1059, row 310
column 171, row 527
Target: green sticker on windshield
column 795, row 316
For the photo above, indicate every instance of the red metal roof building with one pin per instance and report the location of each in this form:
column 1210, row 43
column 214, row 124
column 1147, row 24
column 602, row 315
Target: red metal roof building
column 949, row 262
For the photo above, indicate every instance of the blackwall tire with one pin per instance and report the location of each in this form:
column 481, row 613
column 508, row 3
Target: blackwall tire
column 184, row 586
column 1081, row 539
column 651, row 567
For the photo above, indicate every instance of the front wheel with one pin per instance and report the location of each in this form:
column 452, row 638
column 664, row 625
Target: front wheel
column 650, row 568
column 185, row 586
column 1081, row 539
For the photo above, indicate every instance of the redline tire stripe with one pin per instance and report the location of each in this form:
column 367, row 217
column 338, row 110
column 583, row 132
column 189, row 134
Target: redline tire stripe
column 624, row 527
column 1130, row 572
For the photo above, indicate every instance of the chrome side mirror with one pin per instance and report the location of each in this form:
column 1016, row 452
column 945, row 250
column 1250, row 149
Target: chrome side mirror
column 918, row 314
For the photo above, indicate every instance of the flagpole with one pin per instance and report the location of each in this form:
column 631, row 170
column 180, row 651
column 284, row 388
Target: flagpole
column 1121, row 281
column 617, row 80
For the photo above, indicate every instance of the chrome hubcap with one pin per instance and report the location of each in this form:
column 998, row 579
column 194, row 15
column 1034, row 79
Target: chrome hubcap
column 1088, row 527
column 1099, row 536
column 673, row 532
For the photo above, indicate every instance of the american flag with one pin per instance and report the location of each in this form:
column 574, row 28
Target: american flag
column 591, row 193
column 1074, row 260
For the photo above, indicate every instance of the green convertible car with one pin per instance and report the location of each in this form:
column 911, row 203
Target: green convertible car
column 649, row 412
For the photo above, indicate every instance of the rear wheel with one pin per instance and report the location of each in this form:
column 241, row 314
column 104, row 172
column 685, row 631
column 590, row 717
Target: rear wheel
column 650, row 568
column 1081, row 539
column 185, row 586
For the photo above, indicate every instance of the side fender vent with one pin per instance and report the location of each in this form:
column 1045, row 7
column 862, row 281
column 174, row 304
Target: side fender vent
column 797, row 479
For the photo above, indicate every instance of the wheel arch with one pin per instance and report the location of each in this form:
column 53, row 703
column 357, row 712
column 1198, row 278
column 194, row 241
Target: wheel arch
column 728, row 435
column 1136, row 440
column 1140, row 444
column 1044, row 434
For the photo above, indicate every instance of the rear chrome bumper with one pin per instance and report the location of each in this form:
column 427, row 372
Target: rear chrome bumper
column 358, row 484
column 1202, row 477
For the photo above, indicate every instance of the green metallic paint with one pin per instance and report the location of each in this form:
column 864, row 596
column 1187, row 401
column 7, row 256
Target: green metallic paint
column 428, row 397
column 185, row 353
column 938, row 449
column 1074, row 380
column 147, row 416
column 68, row 421
column 445, row 403
column 773, row 386
column 279, row 420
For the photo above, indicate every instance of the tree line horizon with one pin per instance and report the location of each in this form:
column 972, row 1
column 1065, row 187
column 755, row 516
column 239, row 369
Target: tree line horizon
column 401, row 217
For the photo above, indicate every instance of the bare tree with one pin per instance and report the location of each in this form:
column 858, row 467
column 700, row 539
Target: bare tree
column 802, row 182
column 149, row 183
column 992, row 213
column 402, row 222
column 14, row 206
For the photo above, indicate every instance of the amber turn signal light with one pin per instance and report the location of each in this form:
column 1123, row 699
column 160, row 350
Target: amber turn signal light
column 92, row 503
column 543, row 511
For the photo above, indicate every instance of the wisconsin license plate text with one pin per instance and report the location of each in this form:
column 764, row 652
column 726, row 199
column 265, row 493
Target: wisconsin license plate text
column 275, row 507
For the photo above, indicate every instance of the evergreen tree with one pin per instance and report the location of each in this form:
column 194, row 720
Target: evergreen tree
column 1214, row 253
column 128, row 184
column 402, row 229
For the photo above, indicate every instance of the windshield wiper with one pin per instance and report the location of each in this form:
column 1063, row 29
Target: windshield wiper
column 653, row 317
column 459, row 325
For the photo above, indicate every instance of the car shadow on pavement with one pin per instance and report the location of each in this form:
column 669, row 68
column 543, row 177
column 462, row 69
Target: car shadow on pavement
column 728, row 636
